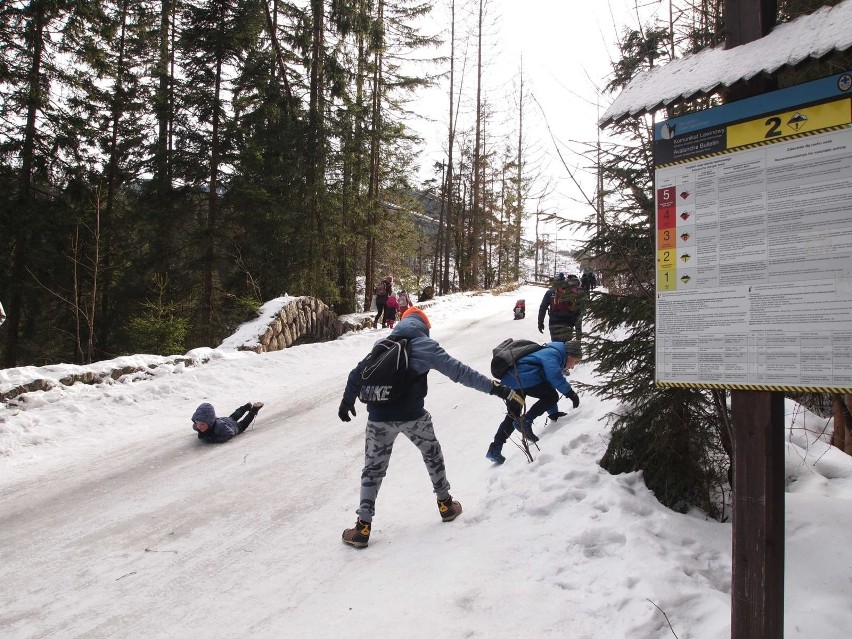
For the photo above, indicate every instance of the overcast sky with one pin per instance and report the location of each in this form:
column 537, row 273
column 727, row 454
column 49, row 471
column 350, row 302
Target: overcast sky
column 567, row 49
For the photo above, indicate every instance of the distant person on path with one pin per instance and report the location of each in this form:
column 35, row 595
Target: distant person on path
column 2, row 315
column 391, row 308
column 407, row 415
column 382, row 290
column 586, row 282
column 563, row 302
column 216, row 430
column 540, row 375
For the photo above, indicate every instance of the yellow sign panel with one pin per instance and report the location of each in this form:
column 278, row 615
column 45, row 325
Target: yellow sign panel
column 780, row 125
column 666, row 258
column 667, row 280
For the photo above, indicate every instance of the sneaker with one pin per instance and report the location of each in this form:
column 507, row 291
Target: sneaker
column 526, row 431
column 494, row 453
column 449, row 509
column 257, row 405
column 358, row 536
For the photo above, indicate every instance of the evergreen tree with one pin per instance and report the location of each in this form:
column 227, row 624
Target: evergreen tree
column 673, row 435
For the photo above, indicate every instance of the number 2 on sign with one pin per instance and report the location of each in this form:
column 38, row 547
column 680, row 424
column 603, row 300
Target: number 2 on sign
column 774, row 125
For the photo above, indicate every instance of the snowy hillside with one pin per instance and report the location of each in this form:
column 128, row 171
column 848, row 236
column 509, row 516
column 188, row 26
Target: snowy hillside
column 115, row 521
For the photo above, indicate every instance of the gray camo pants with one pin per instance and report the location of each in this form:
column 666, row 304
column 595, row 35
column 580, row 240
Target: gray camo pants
column 377, row 452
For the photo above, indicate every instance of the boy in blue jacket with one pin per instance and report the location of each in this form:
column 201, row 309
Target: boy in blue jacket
column 540, row 375
column 407, row 415
column 216, row 430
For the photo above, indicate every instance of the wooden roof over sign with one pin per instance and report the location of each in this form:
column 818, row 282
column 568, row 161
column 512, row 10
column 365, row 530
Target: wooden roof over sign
column 812, row 36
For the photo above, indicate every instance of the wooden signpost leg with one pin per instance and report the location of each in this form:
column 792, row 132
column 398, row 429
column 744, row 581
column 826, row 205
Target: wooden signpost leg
column 757, row 585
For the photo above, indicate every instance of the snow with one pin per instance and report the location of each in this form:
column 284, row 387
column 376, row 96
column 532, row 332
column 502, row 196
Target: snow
column 814, row 35
column 117, row 522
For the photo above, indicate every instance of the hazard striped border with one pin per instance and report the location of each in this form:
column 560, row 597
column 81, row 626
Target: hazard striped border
column 759, row 387
column 744, row 147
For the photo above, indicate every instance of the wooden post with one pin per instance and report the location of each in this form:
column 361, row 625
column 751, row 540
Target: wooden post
column 757, row 418
column 757, row 583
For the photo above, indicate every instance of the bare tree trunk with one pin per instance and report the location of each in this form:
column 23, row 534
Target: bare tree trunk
column 212, row 198
column 373, row 189
column 519, row 214
column 451, row 131
column 25, row 194
column 472, row 278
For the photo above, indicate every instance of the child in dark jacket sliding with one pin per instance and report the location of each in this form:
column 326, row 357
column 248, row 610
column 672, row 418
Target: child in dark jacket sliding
column 216, row 430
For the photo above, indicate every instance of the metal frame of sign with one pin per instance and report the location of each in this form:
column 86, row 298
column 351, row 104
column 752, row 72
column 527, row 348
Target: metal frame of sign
column 753, row 230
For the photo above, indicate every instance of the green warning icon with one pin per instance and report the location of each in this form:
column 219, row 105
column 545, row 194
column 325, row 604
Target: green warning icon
column 685, row 279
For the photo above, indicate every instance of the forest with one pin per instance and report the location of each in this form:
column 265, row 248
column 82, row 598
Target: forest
column 168, row 165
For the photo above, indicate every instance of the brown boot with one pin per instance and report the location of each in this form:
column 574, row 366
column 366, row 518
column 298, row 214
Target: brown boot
column 359, row 535
column 449, row 509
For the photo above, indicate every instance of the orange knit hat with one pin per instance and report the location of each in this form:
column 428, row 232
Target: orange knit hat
column 414, row 310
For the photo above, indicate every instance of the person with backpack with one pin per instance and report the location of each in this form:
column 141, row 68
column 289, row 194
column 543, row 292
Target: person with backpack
column 538, row 374
column 382, row 290
column 216, row 430
column 563, row 302
column 394, row 408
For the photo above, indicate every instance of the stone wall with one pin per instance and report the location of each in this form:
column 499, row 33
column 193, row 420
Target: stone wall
column 299, row 320
column 304, row 319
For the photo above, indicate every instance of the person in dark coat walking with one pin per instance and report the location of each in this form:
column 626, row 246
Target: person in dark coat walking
column 216, row 430
column 382, row 291
column 564, row 303
column 541, row 375
column 407, row 415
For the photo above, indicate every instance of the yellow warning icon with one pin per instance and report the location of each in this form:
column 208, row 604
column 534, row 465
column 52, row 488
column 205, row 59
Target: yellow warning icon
column 797, row 121
column 685, row 258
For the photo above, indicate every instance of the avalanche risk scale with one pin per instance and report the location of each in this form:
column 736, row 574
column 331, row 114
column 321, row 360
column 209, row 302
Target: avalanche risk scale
column 754, row 242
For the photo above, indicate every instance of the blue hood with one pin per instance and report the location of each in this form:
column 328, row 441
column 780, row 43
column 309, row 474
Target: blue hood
column 204, row 413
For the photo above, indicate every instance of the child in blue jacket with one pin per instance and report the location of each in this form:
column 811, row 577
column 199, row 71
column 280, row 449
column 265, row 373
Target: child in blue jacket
column 216, row 430
column 541, row 375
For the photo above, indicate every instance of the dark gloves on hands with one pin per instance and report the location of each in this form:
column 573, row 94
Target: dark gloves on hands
column 575, row 400
column 501, row 391
column 541, row 328
column 514, row 400
column 344, row 410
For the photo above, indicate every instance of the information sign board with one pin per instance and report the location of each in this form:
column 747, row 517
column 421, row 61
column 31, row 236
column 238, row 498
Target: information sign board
column 754, row 242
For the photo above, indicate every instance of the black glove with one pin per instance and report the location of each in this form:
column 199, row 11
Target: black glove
column 500, row 390
column 557, row 415
column 541, row 328
column 514, row 400
column 575, row 400
column 344, row 410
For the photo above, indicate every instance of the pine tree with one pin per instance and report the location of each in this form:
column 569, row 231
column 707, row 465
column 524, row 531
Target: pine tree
column 673, row 435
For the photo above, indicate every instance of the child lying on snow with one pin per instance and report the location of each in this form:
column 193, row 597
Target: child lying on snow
column 216, row 430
